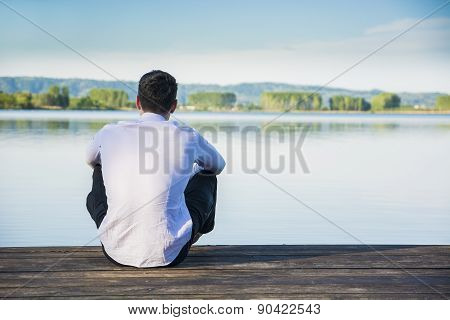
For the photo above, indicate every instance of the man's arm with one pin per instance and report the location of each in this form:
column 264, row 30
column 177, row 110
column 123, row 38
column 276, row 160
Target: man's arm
column 208, row 157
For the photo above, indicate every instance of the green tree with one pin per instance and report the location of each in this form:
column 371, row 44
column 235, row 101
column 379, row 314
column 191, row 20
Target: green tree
column 54, row 96
column 291, row 101
column 65, row 97
column 363, row 105
column 316, row 101
column 348, row 103
column 41, row 100
column 207, row 100
column 109, row 98
column 84, row 103
column 443, row 102
column 385, row 100
column 23, row 100
column 7, row 101
column 337, row 103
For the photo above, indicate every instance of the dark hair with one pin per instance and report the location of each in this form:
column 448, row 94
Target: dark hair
column 157, row 91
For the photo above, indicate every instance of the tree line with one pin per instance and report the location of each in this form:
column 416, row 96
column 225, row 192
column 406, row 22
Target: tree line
column 291, row 101
column 443, row 103
column 58, row 98
column 206, row 100
column 307, row 101
column 247, row 93
column 103, row 99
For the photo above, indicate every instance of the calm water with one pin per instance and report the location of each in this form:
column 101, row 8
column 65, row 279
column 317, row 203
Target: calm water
column 383, row 178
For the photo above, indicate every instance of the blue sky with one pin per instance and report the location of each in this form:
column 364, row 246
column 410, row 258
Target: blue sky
column 304, row 42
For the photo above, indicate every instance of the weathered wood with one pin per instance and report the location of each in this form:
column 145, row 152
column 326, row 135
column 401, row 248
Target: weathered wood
column 189, row 288
column 265, row 296
column 193, row 279
column 233, row 250
column 232, row 272
column 177, row 273
column 235, row 263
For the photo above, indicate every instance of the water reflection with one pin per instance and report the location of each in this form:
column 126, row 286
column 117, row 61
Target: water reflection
column 76, row 126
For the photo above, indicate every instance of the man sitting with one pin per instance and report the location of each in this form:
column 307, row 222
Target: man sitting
column 154, row 181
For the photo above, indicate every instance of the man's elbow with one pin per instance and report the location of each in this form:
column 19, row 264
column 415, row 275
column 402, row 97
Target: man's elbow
column 90, row 163
column 92, row 159
column 220, row 165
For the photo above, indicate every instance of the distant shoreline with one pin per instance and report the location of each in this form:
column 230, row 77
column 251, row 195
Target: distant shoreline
column 246, row 93
column 343, row 112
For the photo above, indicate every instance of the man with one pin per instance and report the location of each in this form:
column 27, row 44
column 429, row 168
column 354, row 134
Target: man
column 154, row 181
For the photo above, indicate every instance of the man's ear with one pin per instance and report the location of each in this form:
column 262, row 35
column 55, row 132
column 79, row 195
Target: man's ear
column 138, row 103
column 173, row 107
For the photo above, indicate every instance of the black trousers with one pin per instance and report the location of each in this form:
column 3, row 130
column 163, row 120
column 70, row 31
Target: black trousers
column 200, row 195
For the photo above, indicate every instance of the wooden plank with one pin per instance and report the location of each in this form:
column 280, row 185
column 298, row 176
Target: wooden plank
column 247, row 250
column 257, row 284
column 86, row 256
column 298, row 278
column 232, row 272
column 96, row 254
column 185, row 288
column 240, row 262
column 265, row 296
column 178, row 272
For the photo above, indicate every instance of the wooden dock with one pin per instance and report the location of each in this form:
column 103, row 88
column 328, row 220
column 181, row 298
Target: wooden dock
column 232, row 272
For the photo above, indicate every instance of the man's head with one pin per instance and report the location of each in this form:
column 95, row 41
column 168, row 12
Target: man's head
column 157, row 93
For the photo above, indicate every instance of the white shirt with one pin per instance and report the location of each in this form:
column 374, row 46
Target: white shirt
column 146, row 165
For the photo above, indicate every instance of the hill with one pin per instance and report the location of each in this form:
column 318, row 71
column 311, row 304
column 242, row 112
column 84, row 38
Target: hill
column 245, row 92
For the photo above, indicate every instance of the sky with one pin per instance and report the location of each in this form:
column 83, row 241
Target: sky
column 229, row 42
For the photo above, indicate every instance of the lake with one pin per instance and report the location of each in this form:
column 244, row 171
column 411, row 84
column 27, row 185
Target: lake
column 303, row 179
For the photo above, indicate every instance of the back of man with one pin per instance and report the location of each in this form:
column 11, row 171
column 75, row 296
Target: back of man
column 146, row 166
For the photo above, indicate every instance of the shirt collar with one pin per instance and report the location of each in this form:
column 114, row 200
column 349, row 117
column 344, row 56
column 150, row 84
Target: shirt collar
column 149, row 116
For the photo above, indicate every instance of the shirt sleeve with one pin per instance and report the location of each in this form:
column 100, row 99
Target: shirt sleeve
column 208, row 158
column 93, row 151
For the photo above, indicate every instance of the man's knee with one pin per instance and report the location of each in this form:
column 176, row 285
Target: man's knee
column 207, row 178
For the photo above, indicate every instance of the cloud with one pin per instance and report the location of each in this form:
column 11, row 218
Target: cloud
column 403, row 24
column 431, row 35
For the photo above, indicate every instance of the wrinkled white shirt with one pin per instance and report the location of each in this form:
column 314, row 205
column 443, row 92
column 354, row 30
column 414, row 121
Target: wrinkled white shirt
column 146, row 165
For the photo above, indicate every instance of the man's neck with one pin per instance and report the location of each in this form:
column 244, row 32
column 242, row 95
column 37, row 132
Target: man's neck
column 154, row 114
